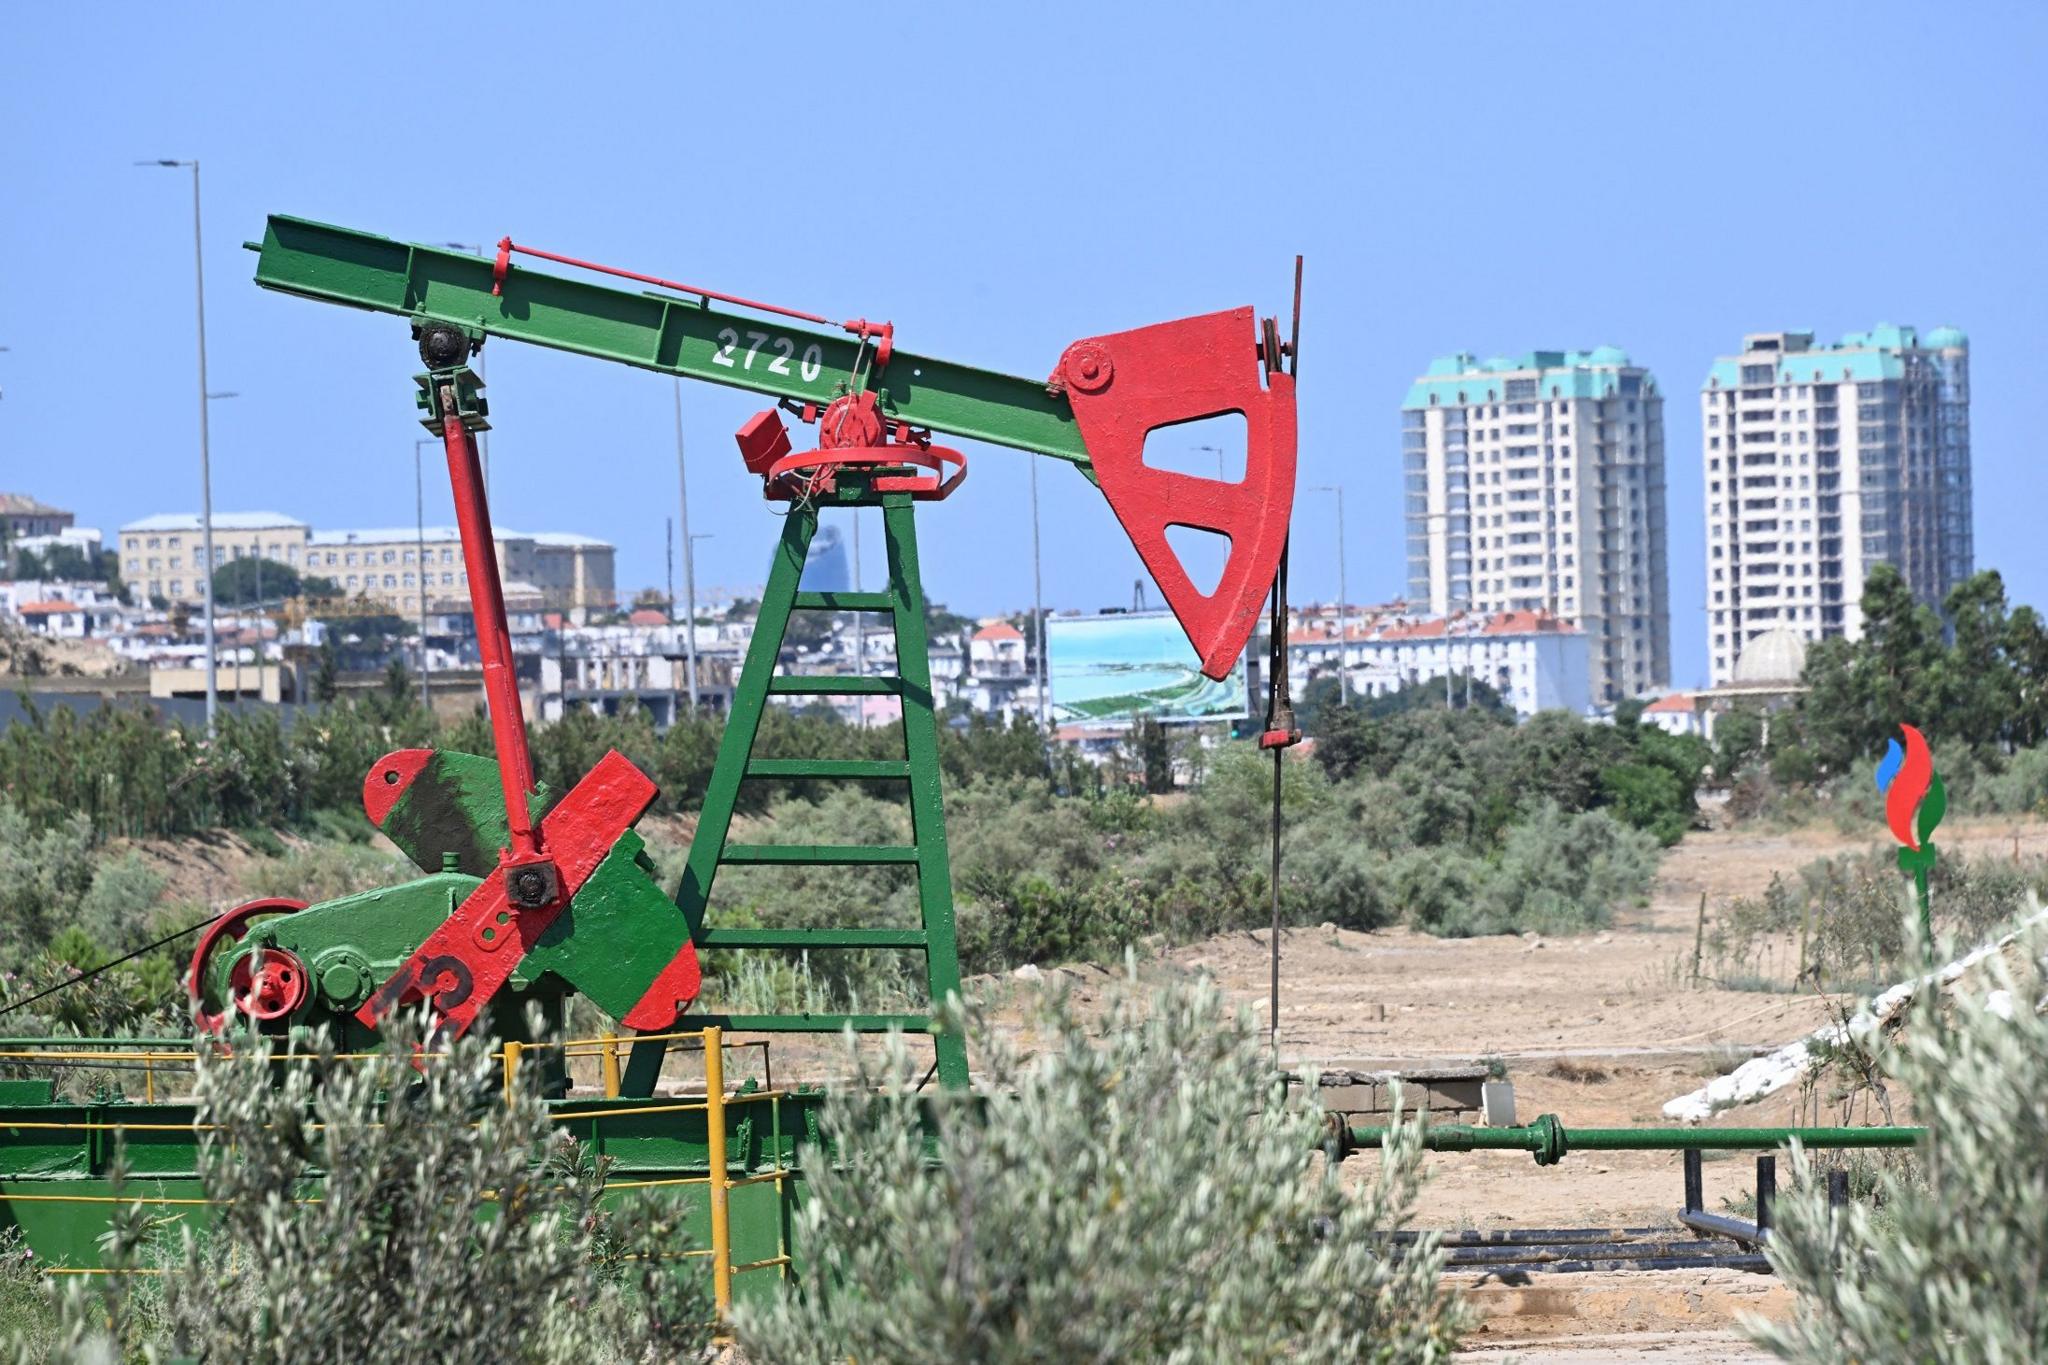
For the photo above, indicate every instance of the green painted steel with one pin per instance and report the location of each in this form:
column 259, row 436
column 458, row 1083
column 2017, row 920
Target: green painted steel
column 829, row 767
column 1549, row 1140
column 919, row 766
column 58, row 1185
column 662, row 332
column 811, row 938
column 817, row 855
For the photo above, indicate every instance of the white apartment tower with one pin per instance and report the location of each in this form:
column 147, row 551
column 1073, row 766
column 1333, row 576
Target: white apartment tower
column 1823, row 461
column 1537, row 484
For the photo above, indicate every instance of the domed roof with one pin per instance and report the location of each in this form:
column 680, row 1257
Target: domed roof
column 1776, row 656
column 1945, row 339
column 1607, row 355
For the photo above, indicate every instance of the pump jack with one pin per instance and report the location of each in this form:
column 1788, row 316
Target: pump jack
column 527, row 895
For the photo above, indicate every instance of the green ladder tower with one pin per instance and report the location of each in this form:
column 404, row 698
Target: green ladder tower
column 918, row 769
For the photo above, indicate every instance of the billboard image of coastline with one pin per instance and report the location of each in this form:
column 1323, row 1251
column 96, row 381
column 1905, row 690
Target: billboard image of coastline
column 1109, row 670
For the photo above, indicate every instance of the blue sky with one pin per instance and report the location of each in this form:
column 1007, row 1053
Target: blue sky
column 999, row 181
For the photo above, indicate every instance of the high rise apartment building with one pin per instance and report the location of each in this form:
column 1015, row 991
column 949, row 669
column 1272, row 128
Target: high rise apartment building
column 1823, row 461
column 1537, row 484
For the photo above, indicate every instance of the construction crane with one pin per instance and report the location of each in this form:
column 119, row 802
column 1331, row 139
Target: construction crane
column 527, row 895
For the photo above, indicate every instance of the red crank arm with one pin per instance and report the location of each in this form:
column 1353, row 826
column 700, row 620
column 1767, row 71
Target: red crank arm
column 473, row 953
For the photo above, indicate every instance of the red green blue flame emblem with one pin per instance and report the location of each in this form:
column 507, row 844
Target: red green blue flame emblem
column 1914, row 797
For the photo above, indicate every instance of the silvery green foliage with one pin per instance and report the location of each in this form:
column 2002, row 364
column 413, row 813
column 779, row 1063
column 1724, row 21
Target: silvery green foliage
column 1137, row 1191
column 447, row 1224
column 1951, row 1265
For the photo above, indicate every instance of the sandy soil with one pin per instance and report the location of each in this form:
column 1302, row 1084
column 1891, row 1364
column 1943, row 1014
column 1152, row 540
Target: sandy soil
column 1600, row 1030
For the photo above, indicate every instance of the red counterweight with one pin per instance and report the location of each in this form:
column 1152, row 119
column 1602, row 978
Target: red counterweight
column 1126, row 385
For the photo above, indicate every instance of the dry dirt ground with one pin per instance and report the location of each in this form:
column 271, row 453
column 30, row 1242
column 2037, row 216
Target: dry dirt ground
column 1600, row 1030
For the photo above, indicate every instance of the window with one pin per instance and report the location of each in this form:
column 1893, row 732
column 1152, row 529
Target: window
column 390, row 557
column 177, row 587
column 390, row 580
column 171, row 544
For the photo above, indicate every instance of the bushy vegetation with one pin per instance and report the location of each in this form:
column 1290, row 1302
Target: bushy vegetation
column 1945, row 1262
column 1455, row 821
column 1973, row 678
column 1839, row 923
column 446, row 1224
column 1140, row 1190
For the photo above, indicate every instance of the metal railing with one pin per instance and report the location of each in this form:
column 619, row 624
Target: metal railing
column 147, row 1054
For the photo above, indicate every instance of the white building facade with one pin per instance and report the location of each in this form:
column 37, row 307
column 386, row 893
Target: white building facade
column 1537, row 662
column 1822, row 462
column 1536, row 484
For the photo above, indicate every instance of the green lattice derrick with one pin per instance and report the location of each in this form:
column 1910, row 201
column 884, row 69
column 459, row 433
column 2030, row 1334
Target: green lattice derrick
column 657, row 331
column 919, row 768
column 455, row 805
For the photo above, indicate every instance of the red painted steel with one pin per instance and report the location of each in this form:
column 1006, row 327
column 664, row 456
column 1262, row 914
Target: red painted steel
column 507, row 246
column 472, row 954
column 269, row 984
column 784, row 475
column 1128, row 384
column 676, row 987
column 232, row 927
column 493, row 636
column 389, row 778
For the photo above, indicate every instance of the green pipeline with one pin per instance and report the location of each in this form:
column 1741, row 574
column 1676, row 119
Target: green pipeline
column 1548, row 1140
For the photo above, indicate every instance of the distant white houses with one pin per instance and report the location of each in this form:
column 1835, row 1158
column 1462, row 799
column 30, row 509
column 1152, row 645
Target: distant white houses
column 1536, row 661
column 1675, row 713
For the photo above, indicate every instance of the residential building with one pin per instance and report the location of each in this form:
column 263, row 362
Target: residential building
column 1823, row 461
column 1675, row 713
column 574, row 573
column 1534, row 660
column 996, row 650
column 1536, row 484
column 163, row 556
column 22, row 515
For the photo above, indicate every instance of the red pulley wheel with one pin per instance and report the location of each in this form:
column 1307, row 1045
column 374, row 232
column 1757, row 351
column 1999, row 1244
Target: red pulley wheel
column 267, row 986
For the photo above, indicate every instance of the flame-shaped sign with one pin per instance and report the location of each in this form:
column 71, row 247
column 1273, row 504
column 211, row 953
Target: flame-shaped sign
column 1914, row 797
column 1914, row 802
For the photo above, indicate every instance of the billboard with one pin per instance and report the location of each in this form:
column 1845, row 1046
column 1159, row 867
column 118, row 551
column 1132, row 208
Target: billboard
column 1108, row 670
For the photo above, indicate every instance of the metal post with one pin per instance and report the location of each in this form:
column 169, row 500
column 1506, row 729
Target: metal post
column 1695, row 1188
column 689, row 556
column 714, row 1157
column 511, row 1071
column 494, row 644
column 1038, row 608
column 608, row 1063
column 1766, row 1189
column 419, row 494
column 205, row 457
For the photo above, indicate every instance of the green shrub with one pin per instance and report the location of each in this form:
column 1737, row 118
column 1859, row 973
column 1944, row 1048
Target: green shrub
column 1140, row 1190
column 1949, row 1267
column 443, row 1229
column 1560, row 873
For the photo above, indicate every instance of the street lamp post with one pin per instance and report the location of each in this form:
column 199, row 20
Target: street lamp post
column 1343, row 598
column 690, row 592
column 689, row 555
column 205, row 451
column 419, row 496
